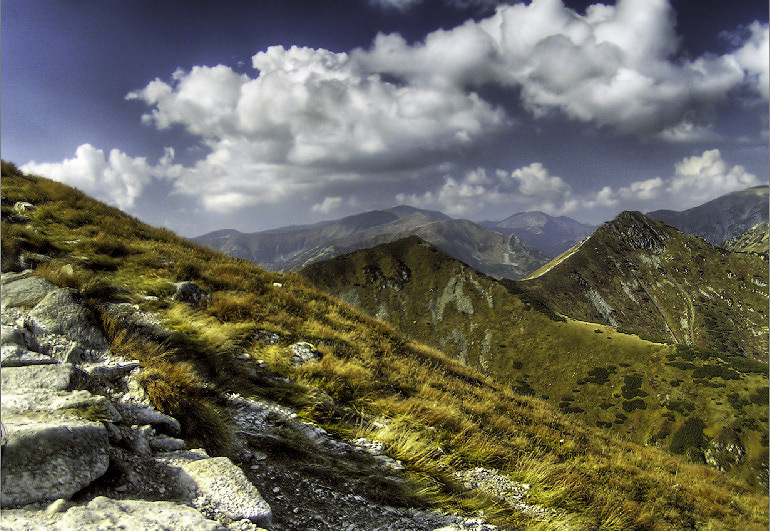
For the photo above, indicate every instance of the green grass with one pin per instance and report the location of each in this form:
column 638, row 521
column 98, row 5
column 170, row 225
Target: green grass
column 439, row 415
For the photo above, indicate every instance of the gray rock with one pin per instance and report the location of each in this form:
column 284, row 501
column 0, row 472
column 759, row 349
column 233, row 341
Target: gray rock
column 76, row 403
column 59, row 377
column 303, row 353
column 189, row 292
column 23, row 206
column 141, row 414
column 46, row 458
column 6, row 278
column 111, row 372
column 25, row 292
column 62, row 312
column 103, row 513
column 162, row 443
column 224, row 487
column 12, row 335
column 32, row 260
column 267, row 337
column 15, row 356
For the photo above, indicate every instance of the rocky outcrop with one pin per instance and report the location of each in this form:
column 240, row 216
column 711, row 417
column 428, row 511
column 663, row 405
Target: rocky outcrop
column 24, row 292
column 190, row 293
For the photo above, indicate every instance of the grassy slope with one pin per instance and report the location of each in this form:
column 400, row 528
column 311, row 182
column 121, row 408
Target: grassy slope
column 582, row 368
column 652, row 279
column 755, row 240
column 442, row 416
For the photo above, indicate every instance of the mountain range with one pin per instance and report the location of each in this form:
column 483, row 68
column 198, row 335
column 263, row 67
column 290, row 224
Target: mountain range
column 721, row 219
column 129, row 352
column 291, row 248
column 606, row 376
column 552, row 235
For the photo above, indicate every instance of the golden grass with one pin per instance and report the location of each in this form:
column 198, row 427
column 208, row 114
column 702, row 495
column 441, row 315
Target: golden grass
column 435, row 414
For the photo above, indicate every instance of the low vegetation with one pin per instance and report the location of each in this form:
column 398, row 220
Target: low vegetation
column 434, row 413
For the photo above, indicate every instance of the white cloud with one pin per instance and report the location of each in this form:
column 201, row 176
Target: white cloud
column 696, row 179
column 329, row 204
column 400, row 5
column 531, row 187
column 309, row 116
column 613, row 66
column 117, row 178
column 754, row 57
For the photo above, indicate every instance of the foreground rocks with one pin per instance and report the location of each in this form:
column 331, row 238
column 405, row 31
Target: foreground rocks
column 84, row 449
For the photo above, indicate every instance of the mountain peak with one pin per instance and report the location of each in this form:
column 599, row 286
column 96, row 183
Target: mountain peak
column 637, row 231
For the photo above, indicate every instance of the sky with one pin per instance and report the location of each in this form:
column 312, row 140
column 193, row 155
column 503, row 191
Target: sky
column 201, row 115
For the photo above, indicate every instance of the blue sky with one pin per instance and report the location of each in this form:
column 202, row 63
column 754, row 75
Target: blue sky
column 204, row 115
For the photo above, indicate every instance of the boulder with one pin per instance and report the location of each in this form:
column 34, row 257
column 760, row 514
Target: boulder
column 63, row 313
column 24, row 206
column 59, row 377
column 223, row 487
column 190, row 293
column 50, row 457
column 141, row 414
column 104, row 513
column 16, row 356
column 303, row 353
column 7, row 278
column 25, row 292
column 76, row 403
column 12, row 335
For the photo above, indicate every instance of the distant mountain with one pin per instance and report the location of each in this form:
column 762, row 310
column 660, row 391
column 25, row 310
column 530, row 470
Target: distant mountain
column 598, row 375
column 291, row 248
column 552, row 235
column 754, row 240
column 644, row 276
column 723, row 218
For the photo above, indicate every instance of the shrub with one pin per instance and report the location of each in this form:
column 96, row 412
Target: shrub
column 690, row 435
column 187, row 271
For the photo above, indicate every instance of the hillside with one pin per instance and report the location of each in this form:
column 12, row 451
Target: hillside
column 644, row 391
column 719, row 220
column 641, row 275
column 360, row 415
column 291, row 248
column 755, row 240
column 552, row 235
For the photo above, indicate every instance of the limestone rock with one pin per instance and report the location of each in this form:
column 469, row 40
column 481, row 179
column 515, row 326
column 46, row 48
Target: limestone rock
column 25, row 292
column 63, row 313
column 76, row 403
column 16, row 356
column 224, row 487
column 46, row 458
column 189, row 292
column 104, row 513
column 59, row 377
column 141, row 414
column 303, row 353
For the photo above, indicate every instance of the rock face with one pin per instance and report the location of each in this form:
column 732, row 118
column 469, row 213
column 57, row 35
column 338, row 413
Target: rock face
column 51, row 458
column 25, row 292
column 61, row 312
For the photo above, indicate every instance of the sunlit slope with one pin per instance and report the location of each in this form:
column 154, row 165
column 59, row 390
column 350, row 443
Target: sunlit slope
column 435, row 414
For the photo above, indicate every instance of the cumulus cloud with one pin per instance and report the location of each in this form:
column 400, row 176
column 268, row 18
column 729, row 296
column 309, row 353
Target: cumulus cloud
column 696, row 179
column 613, row 66
column 117, row 178
column 753, row 58
column 309, row 115
column 400, row 5
column 531, row 187
column 329, row 204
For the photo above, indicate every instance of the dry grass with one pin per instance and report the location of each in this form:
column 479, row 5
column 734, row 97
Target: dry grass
column 435, row 414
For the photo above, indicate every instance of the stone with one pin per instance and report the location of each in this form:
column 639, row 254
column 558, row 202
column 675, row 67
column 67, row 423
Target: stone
column 223, row 486
column 190, row 293
column 12, row 335
column 25, row 292
column 112, row 372
column 49, row 457
column 32, row 260
column 162, row 443
column 24, row 206
column 5, row 278
column 267, row 337
column 76, row 403
column 59, row 377
column 59, row 506
column 103, row 513
column 15, row 356
column 303, row 352
column 141, row 414
column 63, row 313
